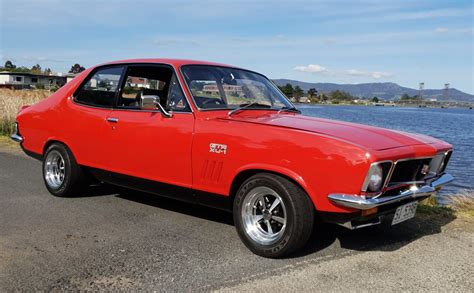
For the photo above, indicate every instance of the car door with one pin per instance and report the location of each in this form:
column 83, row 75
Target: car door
column 145, row 144
column 86, row 120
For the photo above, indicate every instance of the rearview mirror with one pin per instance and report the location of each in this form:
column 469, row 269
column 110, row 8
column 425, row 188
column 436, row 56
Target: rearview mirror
column 152, row 102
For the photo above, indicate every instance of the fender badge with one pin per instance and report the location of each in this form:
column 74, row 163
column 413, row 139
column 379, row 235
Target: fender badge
column 218, row 148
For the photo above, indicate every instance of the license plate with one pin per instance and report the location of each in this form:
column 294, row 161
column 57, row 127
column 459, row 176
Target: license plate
column 404, row 212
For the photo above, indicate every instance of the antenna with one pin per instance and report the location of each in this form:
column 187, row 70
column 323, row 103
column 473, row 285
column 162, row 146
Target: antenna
column 421, row 90
column 446, row 91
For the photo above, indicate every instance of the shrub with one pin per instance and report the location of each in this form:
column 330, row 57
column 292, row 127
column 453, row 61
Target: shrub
column 10, row 103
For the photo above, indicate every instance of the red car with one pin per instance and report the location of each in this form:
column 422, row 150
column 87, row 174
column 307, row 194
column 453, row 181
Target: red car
column 227, row 137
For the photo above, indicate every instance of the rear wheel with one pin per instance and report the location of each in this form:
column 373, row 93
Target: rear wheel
column 62, row 175
column 273, row 216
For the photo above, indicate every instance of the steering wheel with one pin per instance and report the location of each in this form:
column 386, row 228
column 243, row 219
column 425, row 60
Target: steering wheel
column 213, row 101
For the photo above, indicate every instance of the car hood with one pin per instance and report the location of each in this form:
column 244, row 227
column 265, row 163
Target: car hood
column 370, row 137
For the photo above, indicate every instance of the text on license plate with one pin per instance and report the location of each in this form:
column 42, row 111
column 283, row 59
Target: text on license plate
column 405, row 212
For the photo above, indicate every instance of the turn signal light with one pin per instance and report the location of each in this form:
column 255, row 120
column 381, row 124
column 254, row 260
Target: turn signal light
column 369, row 211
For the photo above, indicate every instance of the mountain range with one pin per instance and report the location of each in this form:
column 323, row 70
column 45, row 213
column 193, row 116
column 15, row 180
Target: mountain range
column 384, row 90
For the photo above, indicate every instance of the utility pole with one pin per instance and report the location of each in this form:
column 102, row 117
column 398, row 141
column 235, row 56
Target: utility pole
column 446, row 92
column 421, row 90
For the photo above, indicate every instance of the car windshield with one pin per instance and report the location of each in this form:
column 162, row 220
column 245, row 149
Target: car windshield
column 216, row 87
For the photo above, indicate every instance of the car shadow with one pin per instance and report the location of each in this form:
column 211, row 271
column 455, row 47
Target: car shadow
column 382, row 237
column 190, row 209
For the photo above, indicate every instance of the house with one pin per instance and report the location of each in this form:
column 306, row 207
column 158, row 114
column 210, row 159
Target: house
column 21, row 80
column 71, row 76
column 213, row 89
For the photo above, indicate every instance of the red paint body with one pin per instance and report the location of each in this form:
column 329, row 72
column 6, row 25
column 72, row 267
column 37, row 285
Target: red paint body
column 322, row 156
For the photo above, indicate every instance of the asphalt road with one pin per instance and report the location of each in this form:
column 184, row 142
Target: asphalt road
column 121, row 239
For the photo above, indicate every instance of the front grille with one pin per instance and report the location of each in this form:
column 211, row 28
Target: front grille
column 408, row 171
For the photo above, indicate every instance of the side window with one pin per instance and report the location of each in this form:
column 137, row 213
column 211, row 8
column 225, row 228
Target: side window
column 176, row 100
column 144, row 80
column 152, row 80
column 100, row 89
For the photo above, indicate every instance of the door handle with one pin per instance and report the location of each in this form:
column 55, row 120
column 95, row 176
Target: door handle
column 112, row 120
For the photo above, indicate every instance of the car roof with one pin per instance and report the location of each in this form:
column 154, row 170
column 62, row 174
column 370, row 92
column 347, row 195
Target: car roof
column 174, row 62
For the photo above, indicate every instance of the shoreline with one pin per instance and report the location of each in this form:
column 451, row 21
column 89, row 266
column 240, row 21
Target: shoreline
column 388, row 105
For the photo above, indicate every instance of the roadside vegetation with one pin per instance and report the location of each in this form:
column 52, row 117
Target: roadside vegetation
column 459, row 204
column 11, row 101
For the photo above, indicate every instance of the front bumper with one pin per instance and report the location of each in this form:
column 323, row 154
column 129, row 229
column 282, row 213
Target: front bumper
column 361, row 203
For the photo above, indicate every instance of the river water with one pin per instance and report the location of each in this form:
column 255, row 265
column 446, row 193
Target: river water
column 454, row 125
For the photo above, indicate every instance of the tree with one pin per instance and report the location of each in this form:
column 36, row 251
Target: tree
column 287, row 90
column 375, row 100
column 313, row 95
column 297, row 93
column 76, row 68
column 21, row 69
column 312, row 92
column 9, row 65
column 48, row 71
column 324, row 98
column 36, row 69
column 341, row 95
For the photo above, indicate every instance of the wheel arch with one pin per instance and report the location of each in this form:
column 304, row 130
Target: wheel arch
column 245, row 173
column 51, row 141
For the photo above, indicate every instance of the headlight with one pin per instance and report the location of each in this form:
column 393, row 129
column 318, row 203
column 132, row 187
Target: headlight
column 376, row 177
column 437, row 164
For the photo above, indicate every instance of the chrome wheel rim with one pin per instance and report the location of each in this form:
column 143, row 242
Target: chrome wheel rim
column 264, row 215
column 54, row 169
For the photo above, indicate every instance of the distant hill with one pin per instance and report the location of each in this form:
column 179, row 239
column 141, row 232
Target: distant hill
column 384, row 90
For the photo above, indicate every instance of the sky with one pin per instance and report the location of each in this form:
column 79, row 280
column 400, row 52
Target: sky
column 406, row 42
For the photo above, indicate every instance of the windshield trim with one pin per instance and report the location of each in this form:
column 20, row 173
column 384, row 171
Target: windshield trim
column 229, row 108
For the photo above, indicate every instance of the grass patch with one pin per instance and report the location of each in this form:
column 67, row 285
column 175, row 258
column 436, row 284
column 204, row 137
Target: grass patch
column 459, row 204
column 10, row 103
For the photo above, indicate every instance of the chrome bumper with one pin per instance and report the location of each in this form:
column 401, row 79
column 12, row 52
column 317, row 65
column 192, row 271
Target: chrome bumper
column 16, row 137
column 358, row 202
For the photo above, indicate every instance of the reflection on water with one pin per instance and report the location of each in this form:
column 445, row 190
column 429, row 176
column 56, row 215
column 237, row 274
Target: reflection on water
column 455, row 126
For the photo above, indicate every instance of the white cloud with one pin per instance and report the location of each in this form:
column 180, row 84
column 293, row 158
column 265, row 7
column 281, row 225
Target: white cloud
column 441, row 30
column 39, row 59
column 316, row 69
column 373, row 74
column 426, row 14
column 311, row 68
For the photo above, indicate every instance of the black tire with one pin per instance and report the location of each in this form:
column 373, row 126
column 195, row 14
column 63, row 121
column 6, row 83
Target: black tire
column 299, row 214
column 74, row 181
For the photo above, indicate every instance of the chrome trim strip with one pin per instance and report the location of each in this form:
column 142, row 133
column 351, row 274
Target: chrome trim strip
column 17, row 138
column 359, row 202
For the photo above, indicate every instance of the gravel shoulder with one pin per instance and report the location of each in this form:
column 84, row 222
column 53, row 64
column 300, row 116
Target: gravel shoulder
column 116, row 239
column 442, row 262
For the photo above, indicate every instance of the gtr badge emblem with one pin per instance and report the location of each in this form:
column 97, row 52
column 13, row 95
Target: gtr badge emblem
column 218, row 148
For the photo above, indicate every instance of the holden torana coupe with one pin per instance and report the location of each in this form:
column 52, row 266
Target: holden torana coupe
column 227, row 137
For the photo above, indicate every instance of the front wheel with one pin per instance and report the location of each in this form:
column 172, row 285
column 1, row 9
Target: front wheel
column 273, row 216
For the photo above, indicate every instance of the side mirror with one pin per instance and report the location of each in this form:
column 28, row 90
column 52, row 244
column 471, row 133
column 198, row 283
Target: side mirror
column 151, row 102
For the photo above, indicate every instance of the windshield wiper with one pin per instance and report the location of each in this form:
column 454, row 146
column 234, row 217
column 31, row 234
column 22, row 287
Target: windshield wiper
column 289, row 109
column 246, row 106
